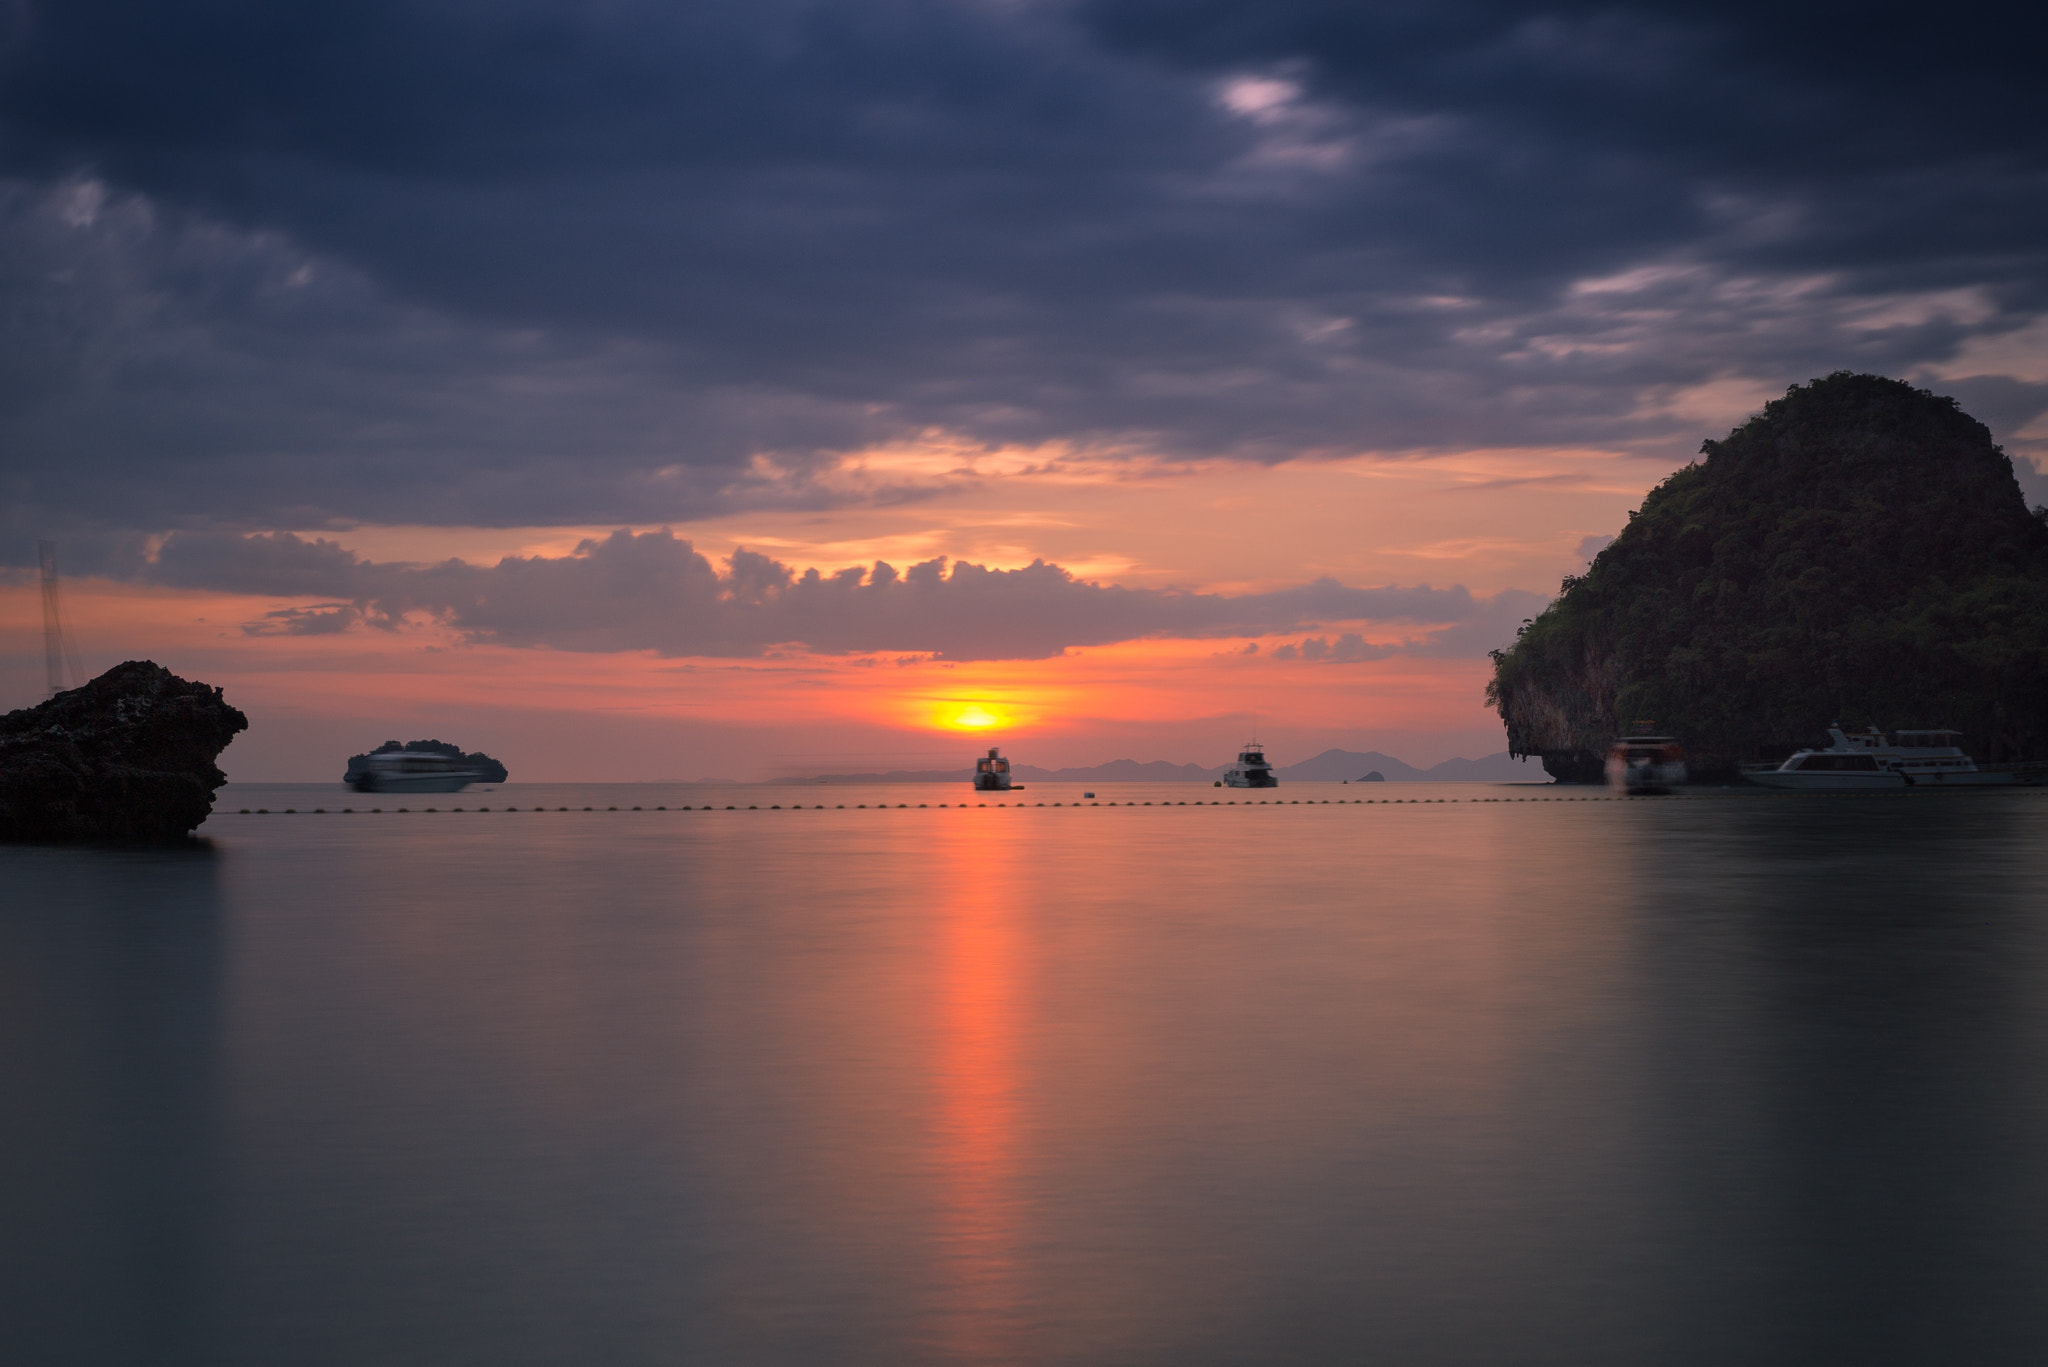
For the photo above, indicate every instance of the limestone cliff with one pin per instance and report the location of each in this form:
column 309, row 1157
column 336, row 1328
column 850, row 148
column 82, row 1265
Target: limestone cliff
column 1858, row 551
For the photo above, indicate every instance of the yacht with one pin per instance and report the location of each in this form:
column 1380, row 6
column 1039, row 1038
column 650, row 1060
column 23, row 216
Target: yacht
column 1870, row 759
column 992, row 773
column 1645, row 764
column 411, row 771
column 1251, row 769
column 1932, row 759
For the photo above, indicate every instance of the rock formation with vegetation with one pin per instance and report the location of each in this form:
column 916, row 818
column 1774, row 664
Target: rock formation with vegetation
column 1858, row 551
column 491, row 771
column 130, row 756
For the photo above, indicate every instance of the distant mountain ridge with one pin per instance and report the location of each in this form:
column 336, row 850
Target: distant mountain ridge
column 1331, row 766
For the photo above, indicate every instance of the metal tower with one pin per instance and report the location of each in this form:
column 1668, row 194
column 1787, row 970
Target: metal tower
column 53, row 620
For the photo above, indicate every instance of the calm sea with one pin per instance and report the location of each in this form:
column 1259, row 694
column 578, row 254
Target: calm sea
column 1477, row 1076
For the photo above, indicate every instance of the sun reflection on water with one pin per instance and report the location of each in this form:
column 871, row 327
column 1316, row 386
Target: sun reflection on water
column 980, row 1007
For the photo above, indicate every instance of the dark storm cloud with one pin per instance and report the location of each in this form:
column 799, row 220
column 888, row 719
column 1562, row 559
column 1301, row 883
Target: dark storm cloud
column 653, row 591
column 440, row 261
column 159, row 370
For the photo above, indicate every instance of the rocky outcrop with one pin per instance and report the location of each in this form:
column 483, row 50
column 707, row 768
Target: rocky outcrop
column 128, row 757
column 1859, row 551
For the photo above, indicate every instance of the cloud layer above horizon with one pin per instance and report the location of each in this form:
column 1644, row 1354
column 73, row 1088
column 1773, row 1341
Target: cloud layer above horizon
column 440, row 263
column 654, row 592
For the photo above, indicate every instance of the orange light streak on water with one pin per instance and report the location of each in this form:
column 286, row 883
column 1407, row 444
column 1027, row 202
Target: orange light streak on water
column 981, row 1006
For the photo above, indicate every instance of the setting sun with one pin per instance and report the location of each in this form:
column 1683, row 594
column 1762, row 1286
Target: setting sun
column 969, row 717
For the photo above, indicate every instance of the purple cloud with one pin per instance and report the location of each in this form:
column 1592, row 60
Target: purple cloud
column 654, row 591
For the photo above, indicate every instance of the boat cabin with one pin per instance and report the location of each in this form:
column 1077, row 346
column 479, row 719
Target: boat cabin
column 1252, row 769
column 1847, row 764
column 1927, row 740
column 992, row 772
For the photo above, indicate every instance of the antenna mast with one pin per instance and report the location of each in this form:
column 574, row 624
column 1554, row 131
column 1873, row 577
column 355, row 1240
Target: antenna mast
column 53, row 623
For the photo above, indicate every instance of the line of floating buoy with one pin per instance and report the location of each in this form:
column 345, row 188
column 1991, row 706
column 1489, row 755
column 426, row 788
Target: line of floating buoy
column 1020, row 806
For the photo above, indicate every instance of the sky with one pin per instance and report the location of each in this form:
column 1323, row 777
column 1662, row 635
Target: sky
column 677, row 390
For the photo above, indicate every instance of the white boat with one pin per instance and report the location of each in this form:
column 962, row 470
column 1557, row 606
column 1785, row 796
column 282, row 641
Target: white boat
column 412, row 771
column 1870, row 759
column 992, row 773
column 1645, row 764
column 1251, row 769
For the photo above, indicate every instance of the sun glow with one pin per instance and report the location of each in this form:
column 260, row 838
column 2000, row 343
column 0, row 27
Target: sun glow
column 639, row 717
column 971, row 716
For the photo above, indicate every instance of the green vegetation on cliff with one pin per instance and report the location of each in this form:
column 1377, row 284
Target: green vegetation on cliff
column 1859, row 550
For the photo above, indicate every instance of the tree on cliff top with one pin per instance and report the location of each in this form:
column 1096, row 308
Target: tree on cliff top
column 1859, row 550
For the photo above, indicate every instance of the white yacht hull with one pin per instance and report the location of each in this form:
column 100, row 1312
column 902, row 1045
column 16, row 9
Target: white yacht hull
column 1825, row 781
column 414, row 783
column 1979, row 778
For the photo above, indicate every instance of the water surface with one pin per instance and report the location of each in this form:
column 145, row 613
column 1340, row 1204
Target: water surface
column 1465, row 1074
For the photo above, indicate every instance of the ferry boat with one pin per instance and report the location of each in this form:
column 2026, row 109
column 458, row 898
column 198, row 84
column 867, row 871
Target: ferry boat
column 412, row 771
column 992, row 773
column 1645, row 764
column 1870, row 759
column 1251, row 769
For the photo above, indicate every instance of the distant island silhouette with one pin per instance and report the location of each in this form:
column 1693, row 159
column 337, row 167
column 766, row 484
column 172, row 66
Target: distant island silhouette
column 490, row 770
column 1331, row 766
column 1858, row 551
